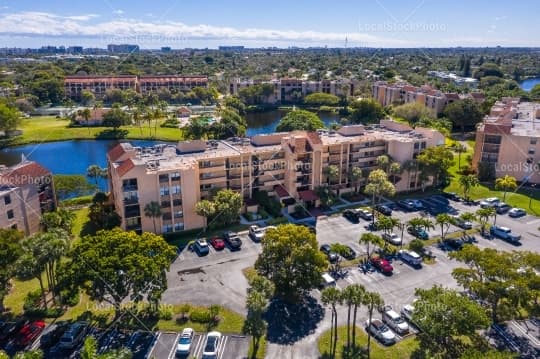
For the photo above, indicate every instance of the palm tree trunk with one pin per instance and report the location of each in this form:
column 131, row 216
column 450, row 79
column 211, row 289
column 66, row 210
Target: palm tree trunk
column 354, row 328
column 335, row 331
column 369, row 334
column 348, row 327
column 154, row 220
column 332, row 334
column 43, row 296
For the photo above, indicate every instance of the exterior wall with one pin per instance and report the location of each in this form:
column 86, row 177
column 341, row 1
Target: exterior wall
column 25, row 208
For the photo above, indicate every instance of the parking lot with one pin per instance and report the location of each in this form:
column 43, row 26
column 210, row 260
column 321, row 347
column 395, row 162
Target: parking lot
column 230, row 347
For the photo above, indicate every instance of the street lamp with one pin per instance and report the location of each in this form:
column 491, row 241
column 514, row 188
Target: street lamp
column 533, row 185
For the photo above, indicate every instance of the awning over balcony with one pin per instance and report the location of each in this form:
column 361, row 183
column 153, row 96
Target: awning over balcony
column 281, row 192
column 308, row 196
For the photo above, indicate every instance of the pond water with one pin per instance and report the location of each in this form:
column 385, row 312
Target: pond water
column 266, row 122
column 528, row 84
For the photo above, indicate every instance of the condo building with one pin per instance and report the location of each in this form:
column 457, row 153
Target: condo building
column 26, row 192
column 98, row 85
column 289, row 166
column 508, row 139
column 290, row 89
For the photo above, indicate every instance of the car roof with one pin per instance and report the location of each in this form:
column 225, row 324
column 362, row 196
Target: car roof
column 187, row 331
column 391, row 313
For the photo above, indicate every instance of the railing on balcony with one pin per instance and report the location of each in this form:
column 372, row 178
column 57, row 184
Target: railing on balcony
column 129, row 188
column 131, row 200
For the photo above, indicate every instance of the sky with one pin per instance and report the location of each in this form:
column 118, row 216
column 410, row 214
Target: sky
column 211, row 23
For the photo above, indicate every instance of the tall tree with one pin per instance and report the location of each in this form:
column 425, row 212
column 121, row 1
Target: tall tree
column 10, row 251
column 464, row 113
column 153, row 210
column 206, row 209
column 299, row 120
column 352, row 297
column 368, row 239
column 483, row 215
column 291, row 259
column 366, row 111
column 355, row 175
column 10, row 117
column 331, row 296
column 332, row 174
column 444, row 221
column 96, row 172
column 115, row 265
column 372, row 300
column 377, row 186
column 254, row 325
column 460, row 149
column 467, row 182
column 505, row 184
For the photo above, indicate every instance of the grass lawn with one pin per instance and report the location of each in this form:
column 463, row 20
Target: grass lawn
column 81, row 218
column 230, row 323
column 15, row 298
column 48, row 129
column 400, row 350
column 261, row 352
column 521, row 198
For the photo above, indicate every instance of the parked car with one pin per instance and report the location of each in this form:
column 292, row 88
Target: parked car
column 217, row 243
column 417, row 204
column 503, row 208
column 9, row 329
column 331, row 255
column 349, row 253
column 517, row 212
column 232, row 240
column 327, row 280
column 211, row 347
column 410, row 257
column 387, row 211
column 380, row 331
column 454, row 243
column 183, row 347
column 364, row 214
column 351, row 215
column 256, row 233
column 407, row 205
column 440, row 199
column 452, row 196
column 418, row 232
column 74, row 335
column 407, row 311
column 505, row 233
column 392, row 238
column 382, row 264
column 53, row 333
column 490, row 202
column 395, row 321
column 201, row 247
column 461, row 223
column 29, row 332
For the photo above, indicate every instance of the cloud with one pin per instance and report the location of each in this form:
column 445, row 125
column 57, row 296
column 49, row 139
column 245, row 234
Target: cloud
column 118, row 12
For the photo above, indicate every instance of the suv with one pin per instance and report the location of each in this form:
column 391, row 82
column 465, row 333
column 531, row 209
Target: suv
column 380, row 331
column 490, row 202
column 410, row 257
column 502, row 208
column 364, row 214
column 74, row 335
column 505, row 233
column 387, row 211
column 454, row 243
column 351, row 215
column 395, row 321
column 392, row 238
column 517, row 212
column 256, row 233
column 331, row 255
column 418, row 232
column 201, row 247
column 232, row 240
column 458, row 221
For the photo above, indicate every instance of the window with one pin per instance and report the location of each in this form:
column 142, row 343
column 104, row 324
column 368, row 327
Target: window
column 205, row 187
column 167, row 228
column 178, row 214
column 163, row 178
column 175, row 189
column 164, row 191
column 175, row 176
column 167, row 216
column 129, row 184
column 179, row 226
column 10, row 214
column 7, row 199
column 177, row 202
column 531, row 151
column 131, row 222
column 533, row 141
column 422, row 145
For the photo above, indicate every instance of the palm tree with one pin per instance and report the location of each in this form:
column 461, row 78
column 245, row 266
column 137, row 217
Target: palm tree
column 378, row 185
column 332, row 296
column 86, row 114
column 332, row 173
column 382, row 162
column 95, row 172
column 372, row 300
column 421, row 222
column 352, row 296
column 444, row 220
column 467, row 182
column 410, row 166
column 395, row 170
column 206, row 209
column 459, row 149
column 506, row 183
column 355, row 175
column 484, row 214
column 153, row 210
column 370, row 238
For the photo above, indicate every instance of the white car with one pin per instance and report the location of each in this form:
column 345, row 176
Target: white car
column 256, row 233
column 395, row 322
column 392, row 238
column 380, row 331
column 490, row 202
column 183, row 347
column 407, row 311
column 517, row 212
column 211, row 347
column 410, row 257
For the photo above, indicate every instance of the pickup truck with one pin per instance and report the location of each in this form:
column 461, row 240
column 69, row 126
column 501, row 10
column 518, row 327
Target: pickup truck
column 505, row 233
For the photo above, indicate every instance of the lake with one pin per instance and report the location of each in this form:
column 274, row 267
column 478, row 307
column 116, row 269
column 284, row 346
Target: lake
column 528, row 84
column 74, row 157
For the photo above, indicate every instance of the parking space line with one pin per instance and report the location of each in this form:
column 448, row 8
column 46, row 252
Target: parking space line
column 199, row 346
column 524, row 332
column 173, row 349
column 221, row 349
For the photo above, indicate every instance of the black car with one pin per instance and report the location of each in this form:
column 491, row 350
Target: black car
column 452, row 196
column 52, row 334
column 454, row 243
column 387, row 211
column 332, row 256
column 351, row 215
column 232, row 240
column 349, row 253
column 406, row 205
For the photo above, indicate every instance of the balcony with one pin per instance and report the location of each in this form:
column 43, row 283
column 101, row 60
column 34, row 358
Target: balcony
column 130, row 188
column 131, row 200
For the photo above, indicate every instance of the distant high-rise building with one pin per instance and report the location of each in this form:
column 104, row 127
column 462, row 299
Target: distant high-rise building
column 123, row 48
column 166, row 49
column 231, row 48
column 75, row 50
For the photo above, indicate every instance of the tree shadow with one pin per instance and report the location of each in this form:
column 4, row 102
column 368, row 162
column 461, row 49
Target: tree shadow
column 112, row 134
column 288, row 323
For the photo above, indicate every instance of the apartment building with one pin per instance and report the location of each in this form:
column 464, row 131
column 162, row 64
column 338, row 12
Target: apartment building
column 509, row 140
column 291, row 89
column 26, row 192
column 98, row 85
column 289, row 166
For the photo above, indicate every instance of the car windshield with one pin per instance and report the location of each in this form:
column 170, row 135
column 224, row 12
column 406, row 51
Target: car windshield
column 184, row 340
column 210, row 345
column 398, row 320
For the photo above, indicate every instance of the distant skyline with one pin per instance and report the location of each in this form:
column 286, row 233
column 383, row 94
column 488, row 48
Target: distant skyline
column 211, row 23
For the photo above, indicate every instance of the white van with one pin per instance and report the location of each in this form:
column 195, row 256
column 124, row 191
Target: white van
column 328, row 280
column 410, row 257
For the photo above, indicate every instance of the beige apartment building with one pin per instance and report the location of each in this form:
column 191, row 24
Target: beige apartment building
column 290, row 89
column 400, row 93
column 26, row 192
column 289, row 166
column 509, row 140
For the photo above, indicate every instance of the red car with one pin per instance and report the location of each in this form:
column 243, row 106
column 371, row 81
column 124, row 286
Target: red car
column 217, row 243
column 382, row 264
column 29, row 332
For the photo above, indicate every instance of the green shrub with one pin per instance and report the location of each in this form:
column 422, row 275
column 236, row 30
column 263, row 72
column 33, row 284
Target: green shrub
column 70, row 297
column 170, row 123
column 270, row 205
column 277, row 220
column 165, row 313
column 263, row 214
column 200, row 316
